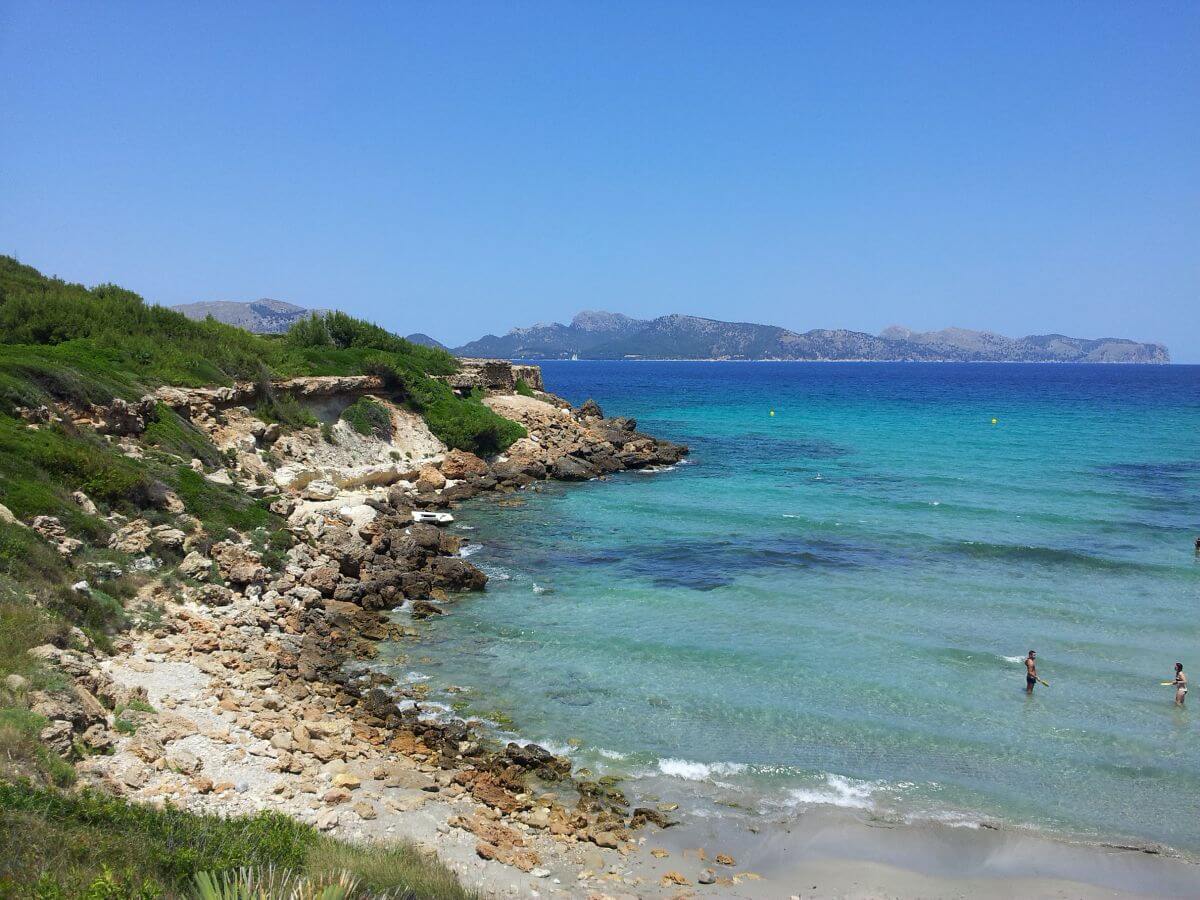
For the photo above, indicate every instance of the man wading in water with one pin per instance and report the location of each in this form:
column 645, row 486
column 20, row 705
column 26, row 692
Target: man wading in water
column 1031, row 676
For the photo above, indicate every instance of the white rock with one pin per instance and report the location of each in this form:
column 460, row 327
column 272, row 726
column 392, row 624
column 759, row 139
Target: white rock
column 319, row 490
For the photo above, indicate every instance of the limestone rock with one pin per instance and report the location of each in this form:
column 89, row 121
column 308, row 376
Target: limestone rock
column 460, row 464
column 456, row 574
column 430, row 479
column 319, row 490
column 132, row 538
column 365, row 810
column 53, row 531
column 195, row 565
column 57, row 736
column 237, row 563
column 166, row 536
column 590, row 410
column 571, row 468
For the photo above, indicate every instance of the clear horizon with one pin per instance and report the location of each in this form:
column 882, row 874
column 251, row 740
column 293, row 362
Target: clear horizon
column 468, row 169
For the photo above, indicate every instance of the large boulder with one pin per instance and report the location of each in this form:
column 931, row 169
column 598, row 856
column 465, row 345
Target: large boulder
column 319, row 490
column 460, row 464
column 430, row 478
column 195, row 565
column 572, row 468
column 237, row 563
column 132, row 538
column 425, row 536
column 323, row 578
column 590, row 410
column 455, row 574
column 517, row 466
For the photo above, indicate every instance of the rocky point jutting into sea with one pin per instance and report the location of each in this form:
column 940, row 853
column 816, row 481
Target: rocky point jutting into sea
column 250, row 687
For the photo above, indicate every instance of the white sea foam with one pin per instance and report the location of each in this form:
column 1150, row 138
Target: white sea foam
column 555, row 748
column 790, row 516
column 840, row 791
column 611, row 754
column 465, row 527
column 697, row 771
column 540, row 589
column 1013, row 659
column 947, row 817
column 496, row 573
column 469, row 549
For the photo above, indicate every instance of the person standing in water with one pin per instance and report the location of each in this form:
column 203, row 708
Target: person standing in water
column 1180, row 684
column 1031, row 676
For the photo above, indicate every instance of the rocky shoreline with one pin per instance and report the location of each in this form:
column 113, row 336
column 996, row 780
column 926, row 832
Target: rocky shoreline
column 244, row 689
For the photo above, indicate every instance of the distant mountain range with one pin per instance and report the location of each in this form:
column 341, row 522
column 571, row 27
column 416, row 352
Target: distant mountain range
column 605, row 335
column 267, row 316
column 260, row 316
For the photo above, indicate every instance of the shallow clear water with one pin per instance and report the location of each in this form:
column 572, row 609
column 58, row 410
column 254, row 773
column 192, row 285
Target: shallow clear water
column 831, row 605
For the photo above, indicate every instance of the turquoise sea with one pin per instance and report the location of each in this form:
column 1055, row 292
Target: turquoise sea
column 830, row 605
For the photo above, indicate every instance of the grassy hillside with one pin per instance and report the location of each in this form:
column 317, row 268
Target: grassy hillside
column 63, row 341
column 64, row 344
column 56, row 846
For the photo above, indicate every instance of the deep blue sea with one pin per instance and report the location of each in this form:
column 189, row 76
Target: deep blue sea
column 830, row 605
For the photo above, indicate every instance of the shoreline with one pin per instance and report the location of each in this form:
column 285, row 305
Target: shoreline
column 264, row 693
column 964, row 362
column 829, row 850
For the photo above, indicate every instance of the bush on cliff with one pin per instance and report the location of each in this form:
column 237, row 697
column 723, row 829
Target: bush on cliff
column 461, row 423
column 368, row 417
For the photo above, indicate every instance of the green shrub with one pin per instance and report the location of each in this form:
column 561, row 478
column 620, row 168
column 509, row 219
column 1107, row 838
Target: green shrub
column 462, row 423
column 218, row 506
column 523, row 388
column 171, row 432
column 368, row 417
column 343, row 332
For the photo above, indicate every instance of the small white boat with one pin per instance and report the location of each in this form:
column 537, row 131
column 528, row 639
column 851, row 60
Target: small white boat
column 432, row 518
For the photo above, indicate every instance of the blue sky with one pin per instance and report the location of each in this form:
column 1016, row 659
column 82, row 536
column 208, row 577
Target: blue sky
column 463, row 168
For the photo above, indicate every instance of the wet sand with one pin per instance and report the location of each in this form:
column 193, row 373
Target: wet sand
column 836, row 853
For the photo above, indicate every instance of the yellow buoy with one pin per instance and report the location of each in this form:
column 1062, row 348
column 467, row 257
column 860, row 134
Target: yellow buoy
column 995, row 421
column 772, row 412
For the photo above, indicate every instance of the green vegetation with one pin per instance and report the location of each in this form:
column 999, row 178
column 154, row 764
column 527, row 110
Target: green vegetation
column 523, row 388
column 55, row 845
column 219, row 506
column 172, row 433
column 462, row 423
column 70, row 343
column 40, row 467
column 368, row 417
column 69, row 347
